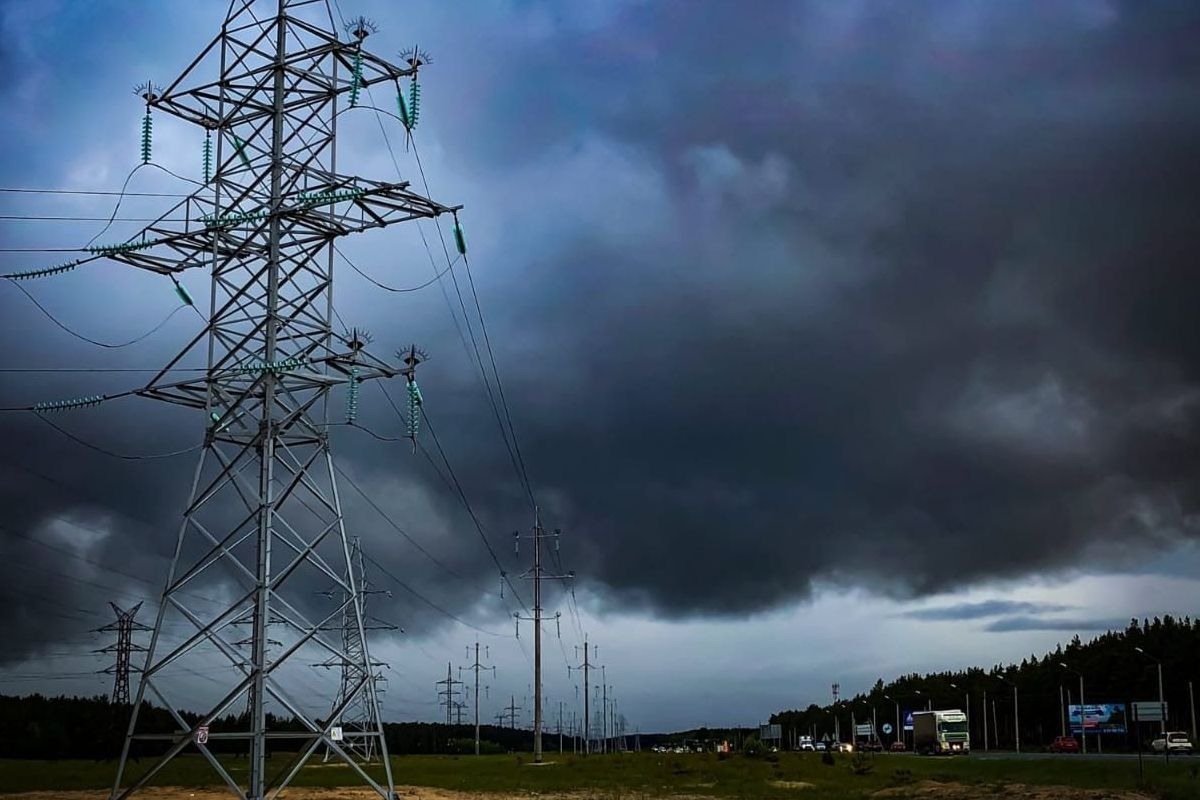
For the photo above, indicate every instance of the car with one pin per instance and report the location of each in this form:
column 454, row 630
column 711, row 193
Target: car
column 843, row 747
column 1064, row 744
column 1173, row 742
column 898, row 747
column 820, row 746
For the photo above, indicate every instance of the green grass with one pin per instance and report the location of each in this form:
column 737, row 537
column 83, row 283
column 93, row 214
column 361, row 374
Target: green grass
column 648, row 775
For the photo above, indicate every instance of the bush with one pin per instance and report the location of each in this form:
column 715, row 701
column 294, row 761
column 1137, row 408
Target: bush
column 862, row 763
column 753, row 748
column 827, row 758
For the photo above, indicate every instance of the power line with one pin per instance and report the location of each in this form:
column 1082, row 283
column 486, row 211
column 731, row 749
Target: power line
column 106, row 345
column 97, row 192
column 426, row 600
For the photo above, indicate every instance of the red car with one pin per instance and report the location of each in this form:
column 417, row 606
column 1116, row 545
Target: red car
column 898, row 747
column 1064, row 744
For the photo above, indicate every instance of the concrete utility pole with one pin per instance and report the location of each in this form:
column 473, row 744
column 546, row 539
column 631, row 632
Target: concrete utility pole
column 449, row 693
column 535, row 574
column 560, row 729
column 586, row 667
column 477, row 666
column 123, row 626
column 604, row 711
column 1192, row 707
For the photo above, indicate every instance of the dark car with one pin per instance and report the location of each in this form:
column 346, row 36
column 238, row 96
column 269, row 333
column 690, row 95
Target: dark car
column 898, row 747
column 1064, row 744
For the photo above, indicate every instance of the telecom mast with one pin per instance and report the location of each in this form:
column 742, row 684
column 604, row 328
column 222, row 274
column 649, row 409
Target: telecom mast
column 264, row 515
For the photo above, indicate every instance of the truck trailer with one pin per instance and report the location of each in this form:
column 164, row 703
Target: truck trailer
column 941, row 733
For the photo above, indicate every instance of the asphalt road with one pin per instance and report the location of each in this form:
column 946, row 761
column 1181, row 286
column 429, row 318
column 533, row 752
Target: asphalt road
column 1003, row 756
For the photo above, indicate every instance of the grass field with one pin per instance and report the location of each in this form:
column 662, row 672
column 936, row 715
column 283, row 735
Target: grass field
column 648, row 775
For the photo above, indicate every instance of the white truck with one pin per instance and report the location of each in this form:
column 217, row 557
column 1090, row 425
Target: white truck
column 941, row 733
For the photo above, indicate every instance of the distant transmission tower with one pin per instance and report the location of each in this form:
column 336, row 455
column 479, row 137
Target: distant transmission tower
column 124, row 626
column 476, row 666
column 535, row 574
column 510, row 713
column 447, row 696
column 360, row 718
column 264, row 519
column 586, row 666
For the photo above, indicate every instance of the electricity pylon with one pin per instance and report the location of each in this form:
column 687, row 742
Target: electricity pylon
column 477, row 666
column 536, row 574
column 361, row 717
column 123, row 626
column 509, row 714
column 264, row 519
column 586, row 667
column 446, row 696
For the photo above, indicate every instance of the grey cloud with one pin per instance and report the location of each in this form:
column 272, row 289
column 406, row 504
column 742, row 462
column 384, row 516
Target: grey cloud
column 1035, row 623
column 884, row 297
column 980, row 610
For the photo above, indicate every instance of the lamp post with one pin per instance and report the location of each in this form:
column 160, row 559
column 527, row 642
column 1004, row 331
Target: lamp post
column 966, row 704
column 1162, row 706
column 1082, row 707
column 899, row 732
column 1016, row 713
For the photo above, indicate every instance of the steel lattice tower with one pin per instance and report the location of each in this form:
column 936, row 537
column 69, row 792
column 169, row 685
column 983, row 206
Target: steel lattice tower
column 124, row 626
column 359, row 718
column 264, row 516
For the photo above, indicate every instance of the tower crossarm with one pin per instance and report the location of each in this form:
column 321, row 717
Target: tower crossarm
column 242, row 90
column 333, row 208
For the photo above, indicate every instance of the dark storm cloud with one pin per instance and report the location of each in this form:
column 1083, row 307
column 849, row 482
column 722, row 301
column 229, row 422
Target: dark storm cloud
column 980, row 610
column 1035, row 623
column 882, row 294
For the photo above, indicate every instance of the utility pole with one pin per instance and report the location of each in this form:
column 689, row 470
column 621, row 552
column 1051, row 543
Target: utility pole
column 604, row 714
column 477, row 666
column 535, row 574
column 586, row 667
column 560, row 729
column 264, row 507
column 1192, row 707
column 449, row 693
column 837, row 725
column 123, row 626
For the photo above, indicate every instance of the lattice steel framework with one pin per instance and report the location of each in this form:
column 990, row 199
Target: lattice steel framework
column 264, row 519
column 123, row 626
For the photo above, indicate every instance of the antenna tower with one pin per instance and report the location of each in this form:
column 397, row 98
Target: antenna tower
column 264, row 518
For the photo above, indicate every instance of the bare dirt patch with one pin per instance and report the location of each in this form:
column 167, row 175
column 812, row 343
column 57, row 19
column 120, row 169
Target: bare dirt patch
column 935, row 790
column 792, row 784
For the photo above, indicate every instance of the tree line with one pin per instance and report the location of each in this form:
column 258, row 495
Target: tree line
column 1113, row 671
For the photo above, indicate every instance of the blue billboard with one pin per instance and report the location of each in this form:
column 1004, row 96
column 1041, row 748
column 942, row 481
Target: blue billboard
column 1099, row 718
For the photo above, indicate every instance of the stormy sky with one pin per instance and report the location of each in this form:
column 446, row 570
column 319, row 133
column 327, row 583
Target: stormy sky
column 841, row 339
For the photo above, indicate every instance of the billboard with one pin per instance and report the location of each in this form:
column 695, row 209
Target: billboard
column 1099, row 718
column 766, row 732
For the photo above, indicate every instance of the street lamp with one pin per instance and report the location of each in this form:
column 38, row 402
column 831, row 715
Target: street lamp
column 1016, row 712
column 1162, row 706
column 1082, row 707
column 897, row 702
column 966, row 706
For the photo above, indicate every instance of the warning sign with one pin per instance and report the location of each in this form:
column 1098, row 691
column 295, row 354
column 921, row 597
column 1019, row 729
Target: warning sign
column 335, row 733
column 202, row 735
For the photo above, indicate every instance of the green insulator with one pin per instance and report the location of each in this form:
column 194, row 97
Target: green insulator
column 207, row 156
column 356, row 79
column 414, row 102
column 405, row 117
column 460, row 238
column 412, row 425
column 352, row 397
column 67, row 405
column 183, row 294
column 43, row 272
column 147, row 130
